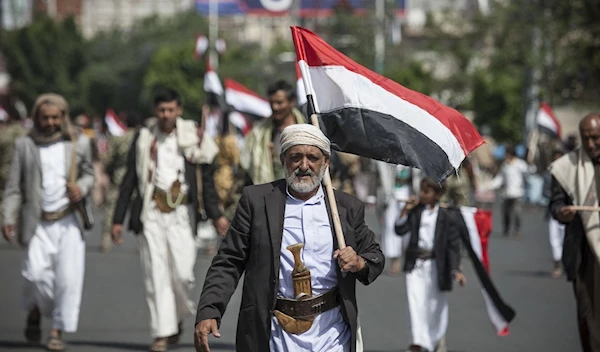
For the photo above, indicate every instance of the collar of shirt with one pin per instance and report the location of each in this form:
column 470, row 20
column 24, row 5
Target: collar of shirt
column 316, row 199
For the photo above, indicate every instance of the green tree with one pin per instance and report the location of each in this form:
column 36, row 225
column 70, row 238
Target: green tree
column 46, row 56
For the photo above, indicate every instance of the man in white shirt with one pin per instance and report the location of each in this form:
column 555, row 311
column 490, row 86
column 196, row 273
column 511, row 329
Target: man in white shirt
column 41, row 191
column 512, row 179
column 270, row 217
column 162, row 166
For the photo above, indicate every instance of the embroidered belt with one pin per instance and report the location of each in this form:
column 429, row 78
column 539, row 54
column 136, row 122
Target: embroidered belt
column 309, row 307
column 425, row 254
column 56, row 215
column 167, row 202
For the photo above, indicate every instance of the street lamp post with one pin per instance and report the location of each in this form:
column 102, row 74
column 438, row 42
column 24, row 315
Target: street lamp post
column 213, row 32
column 379, row 35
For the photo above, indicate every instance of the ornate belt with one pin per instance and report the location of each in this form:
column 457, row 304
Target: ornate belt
column 56, row 215
column 167, row 202
column 309, row 307
column 425, row 254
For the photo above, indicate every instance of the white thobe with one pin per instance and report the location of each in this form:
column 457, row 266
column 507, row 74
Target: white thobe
column 54, row 262
column 427, row 305
column 557, row 237
column 307, row 222
column 392, row 244
column 167, row 248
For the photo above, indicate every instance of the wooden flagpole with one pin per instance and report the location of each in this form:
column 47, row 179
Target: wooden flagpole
column 533, row 143
column 337, row 225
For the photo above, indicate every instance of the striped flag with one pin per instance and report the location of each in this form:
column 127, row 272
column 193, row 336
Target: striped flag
column 246, row 101
column 547, row 122
column 240, row 121
column 367, row 114
column 213, row 87
column 116, row 127
column 476, row 231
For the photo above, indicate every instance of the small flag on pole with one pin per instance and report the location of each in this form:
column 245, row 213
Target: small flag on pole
column 115, row 126
column 547, row 121
column 367, row 114
column 212, row 84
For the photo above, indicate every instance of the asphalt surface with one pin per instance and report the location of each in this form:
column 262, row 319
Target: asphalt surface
column 114, row 315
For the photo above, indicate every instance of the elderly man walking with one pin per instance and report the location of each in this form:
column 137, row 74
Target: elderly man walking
column 576, row 182
column 299, row 290
column 42, row 193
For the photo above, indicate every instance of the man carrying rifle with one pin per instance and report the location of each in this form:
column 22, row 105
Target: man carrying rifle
column 50, row 175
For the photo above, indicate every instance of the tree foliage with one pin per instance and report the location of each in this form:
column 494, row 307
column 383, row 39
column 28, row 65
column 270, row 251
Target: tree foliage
column 45, row 57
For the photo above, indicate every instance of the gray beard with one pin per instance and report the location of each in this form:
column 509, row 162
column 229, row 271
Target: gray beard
column 303, row 187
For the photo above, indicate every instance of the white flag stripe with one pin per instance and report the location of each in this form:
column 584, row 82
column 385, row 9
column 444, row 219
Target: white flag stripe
column 301, row 92
column 113, row 125
column 212, row 83
column 248, row 103
column 308, row 86
column 341, row 87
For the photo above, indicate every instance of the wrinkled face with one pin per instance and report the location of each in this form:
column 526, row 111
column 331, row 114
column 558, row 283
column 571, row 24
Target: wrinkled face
column 428, row 195
column 281, row 105
column 49, row 120
column 304, row 167
column 167, row 113
column 590, row 137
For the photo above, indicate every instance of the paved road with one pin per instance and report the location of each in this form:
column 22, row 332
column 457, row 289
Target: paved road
column 114, row 315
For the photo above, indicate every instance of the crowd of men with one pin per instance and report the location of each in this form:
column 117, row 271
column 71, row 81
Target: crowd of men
column 184, row 184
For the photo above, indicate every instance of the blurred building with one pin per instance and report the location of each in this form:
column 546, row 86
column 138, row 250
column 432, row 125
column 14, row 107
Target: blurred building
column 15, row 13
column 100, row 15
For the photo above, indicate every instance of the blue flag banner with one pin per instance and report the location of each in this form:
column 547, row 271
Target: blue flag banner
column 308, row 8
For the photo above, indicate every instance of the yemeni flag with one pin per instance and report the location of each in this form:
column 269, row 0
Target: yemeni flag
column 547, row 121
column 367, row 114
column 476, row 229
column 300, row 91
column 246, row 101
column 240, row 121
column 116, row 127
column 212, row 86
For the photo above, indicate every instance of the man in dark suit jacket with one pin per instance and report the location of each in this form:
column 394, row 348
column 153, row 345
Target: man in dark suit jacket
column 254, row 245
column 576, row 181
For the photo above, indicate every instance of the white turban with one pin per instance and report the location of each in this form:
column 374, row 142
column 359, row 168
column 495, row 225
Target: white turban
column 304, row 134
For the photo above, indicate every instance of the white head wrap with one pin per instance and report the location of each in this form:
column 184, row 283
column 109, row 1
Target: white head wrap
column 304, row 134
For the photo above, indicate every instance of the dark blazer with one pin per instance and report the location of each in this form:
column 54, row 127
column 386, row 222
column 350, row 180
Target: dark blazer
column 253, row 246
column 130, row 184
column 446, row 247
column 575, row 240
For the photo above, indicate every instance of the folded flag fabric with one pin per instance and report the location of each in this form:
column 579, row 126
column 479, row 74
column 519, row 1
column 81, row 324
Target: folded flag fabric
column 116, row 127
column 245, row 100
column 476, row 229
column 300, row 91
column 370, row 115
column 547, row 121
